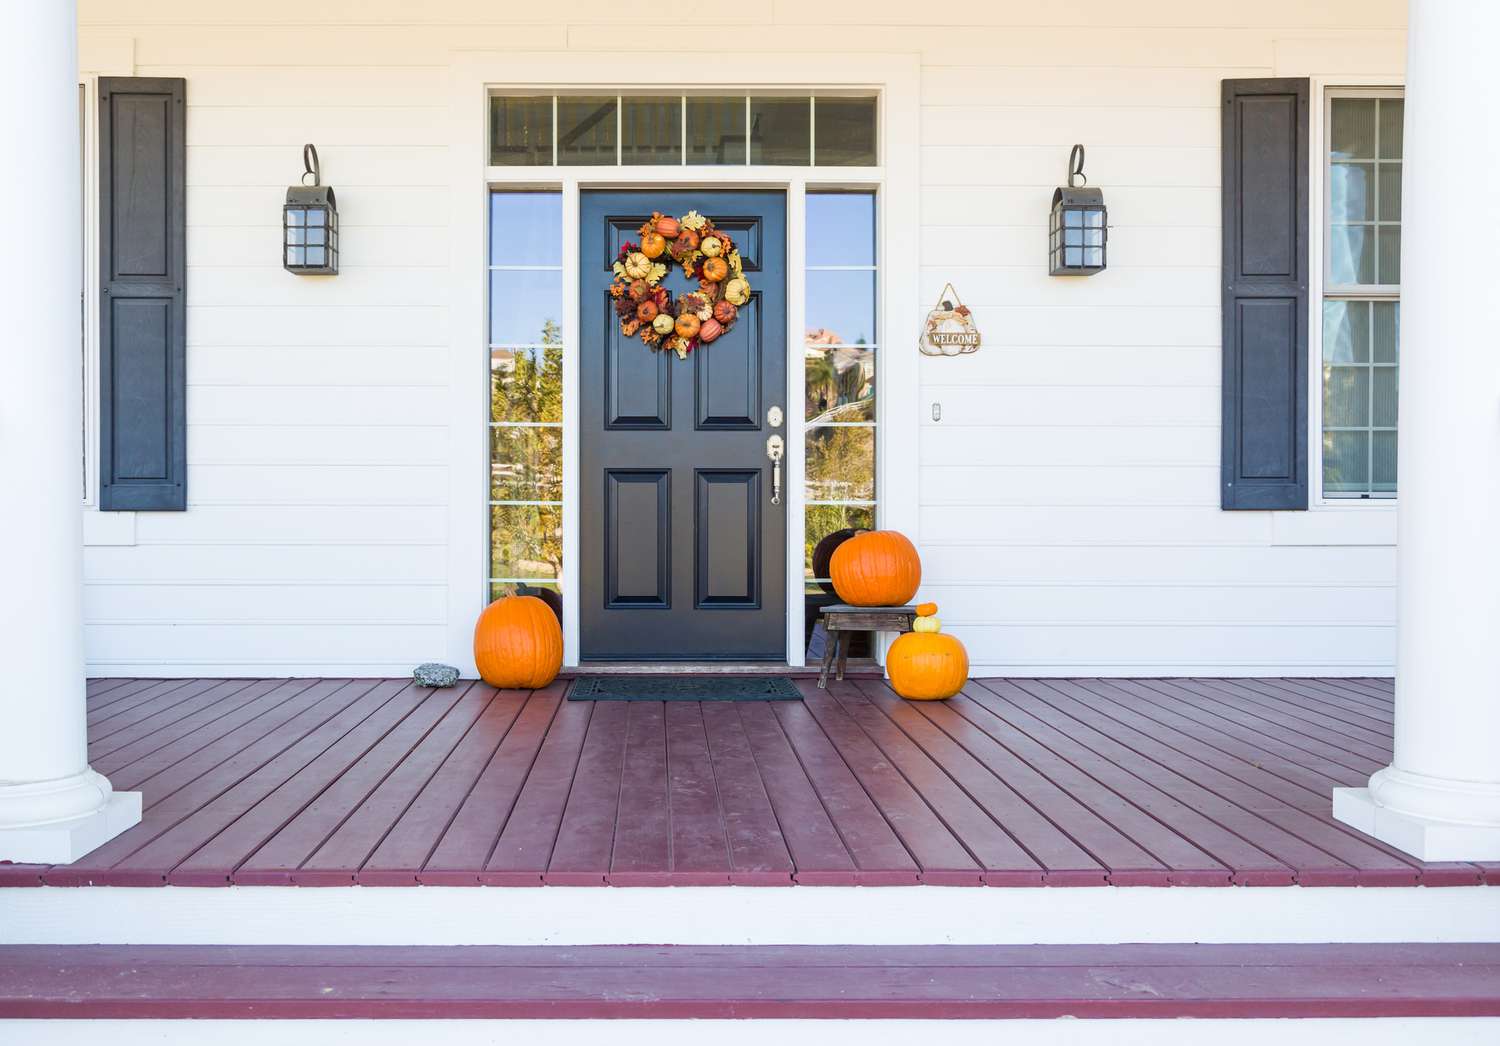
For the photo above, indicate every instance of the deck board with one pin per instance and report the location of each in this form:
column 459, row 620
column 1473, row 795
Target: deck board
column 470, row 837
column 768, row 981
column 1016, row 782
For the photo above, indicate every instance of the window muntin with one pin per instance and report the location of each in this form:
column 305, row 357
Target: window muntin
column 784, row 130
column 1362, row 292
column 839, row 385
column 525, row 352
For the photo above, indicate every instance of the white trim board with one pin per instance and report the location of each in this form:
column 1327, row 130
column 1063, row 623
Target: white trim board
column 472, row 77
column 746, row 915
column 1394, row 1031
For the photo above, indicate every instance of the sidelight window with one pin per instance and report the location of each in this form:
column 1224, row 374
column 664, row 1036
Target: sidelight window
column 780, row 130
column 1362, row 294
column 839, row 388
column 526, row 354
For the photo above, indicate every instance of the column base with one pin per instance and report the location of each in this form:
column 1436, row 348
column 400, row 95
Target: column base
column 1422, row 837
column 65, row 841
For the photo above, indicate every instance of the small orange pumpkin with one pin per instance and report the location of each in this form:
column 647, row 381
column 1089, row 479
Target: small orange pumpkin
column 517, row 643
column 646, row 311
column 710, row 330
column 926, row 609
column 927, row 666
column 653, row 244
column 686, row 242
column 878, row 568
column 668, row 227
column 715, row 269
column 687, row 325
column 725, row 312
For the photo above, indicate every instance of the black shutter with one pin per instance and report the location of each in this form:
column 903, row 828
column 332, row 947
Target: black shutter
column 142, row 310
column 1265, row 452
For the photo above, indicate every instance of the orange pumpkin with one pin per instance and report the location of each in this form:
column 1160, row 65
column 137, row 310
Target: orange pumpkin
column 878, row 568
column 715, row 269
column 709, row 331
column 668, row 227
column 686, row 242
column 517, row 643
column 653, row 244
column 926, row 609
column 725, row 312
column 687, row 325
column 646, row 311
column 927, row 666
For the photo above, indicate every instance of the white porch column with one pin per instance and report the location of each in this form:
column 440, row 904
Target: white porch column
column 53, row 808
column 1440, row 799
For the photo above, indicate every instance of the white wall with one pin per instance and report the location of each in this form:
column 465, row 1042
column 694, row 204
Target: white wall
column 1069, row 496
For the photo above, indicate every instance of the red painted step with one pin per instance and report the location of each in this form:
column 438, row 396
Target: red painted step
column 938, row 981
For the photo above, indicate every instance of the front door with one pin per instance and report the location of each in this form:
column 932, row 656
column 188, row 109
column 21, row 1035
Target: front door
column 683, row 553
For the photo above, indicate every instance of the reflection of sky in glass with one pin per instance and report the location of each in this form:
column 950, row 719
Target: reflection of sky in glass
column 841, row 232
column 841, row 229
column 521, row 301
column 843, row 302
column 525, row 228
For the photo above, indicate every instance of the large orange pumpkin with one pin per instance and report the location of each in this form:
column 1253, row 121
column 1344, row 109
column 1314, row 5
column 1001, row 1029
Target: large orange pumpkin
column 878, row 568
column 517, row 643
column 927, row 666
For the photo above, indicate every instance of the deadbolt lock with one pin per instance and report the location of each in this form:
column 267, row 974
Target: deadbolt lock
column 774, row 417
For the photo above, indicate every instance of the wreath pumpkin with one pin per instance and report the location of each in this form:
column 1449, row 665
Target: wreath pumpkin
column 706, row 254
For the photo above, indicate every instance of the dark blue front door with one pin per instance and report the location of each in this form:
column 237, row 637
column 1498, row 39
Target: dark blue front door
column 683, row 553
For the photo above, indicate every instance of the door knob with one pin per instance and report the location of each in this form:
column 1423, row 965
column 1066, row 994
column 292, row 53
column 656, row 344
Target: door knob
column 775, row 449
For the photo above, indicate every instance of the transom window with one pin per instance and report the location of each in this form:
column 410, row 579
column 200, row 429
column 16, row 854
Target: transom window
column 1362, row 293
column 715, row 130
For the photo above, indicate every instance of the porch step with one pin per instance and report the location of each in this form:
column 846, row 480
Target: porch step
column 680, row 982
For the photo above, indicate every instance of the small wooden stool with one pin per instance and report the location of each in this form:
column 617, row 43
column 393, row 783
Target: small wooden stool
column 840, row 620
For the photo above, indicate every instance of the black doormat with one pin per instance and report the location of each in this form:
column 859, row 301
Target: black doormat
column 683, row 688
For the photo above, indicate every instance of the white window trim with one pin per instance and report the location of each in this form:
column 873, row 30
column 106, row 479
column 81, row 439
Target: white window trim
column 473, row 78
column 1323, row 91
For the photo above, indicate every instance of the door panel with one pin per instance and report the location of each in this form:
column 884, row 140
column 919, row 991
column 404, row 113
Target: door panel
column 727, row 533
column 683, row 556
column 638, row 538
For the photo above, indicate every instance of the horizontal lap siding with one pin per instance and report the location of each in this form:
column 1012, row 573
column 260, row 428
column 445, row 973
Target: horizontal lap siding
column 318, row 412
column 1068, row 496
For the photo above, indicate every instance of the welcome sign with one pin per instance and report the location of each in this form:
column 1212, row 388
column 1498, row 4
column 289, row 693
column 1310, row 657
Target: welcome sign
column 950, row 329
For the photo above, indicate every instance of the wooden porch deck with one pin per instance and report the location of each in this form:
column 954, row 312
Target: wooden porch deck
column 1017, row 782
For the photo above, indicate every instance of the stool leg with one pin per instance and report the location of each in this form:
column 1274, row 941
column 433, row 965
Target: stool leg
column 830, row 641
column 845, row 639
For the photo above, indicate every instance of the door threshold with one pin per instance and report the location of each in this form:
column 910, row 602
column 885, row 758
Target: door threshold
column 856, row 667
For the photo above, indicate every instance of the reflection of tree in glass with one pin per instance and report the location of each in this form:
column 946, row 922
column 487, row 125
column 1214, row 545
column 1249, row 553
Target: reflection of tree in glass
column 526, row 541
column 526, row 386
column 840, row 463
column 839, row 382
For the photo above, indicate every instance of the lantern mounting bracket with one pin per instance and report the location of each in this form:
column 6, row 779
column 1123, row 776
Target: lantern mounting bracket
column 311, row 167
column 1076, row 177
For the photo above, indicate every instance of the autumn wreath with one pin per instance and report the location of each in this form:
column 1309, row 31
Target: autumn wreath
column 699, row 317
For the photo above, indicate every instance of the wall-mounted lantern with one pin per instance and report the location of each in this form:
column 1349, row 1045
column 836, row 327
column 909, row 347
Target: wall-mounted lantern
column 310, row 223
column 1080, row 227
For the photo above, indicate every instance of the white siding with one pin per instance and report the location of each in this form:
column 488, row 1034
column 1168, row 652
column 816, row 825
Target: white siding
column 1069, row 517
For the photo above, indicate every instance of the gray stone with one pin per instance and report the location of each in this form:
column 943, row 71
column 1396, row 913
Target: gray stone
column 434, row 674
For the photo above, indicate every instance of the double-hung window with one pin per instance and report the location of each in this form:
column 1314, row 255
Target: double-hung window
column 1361, row 292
